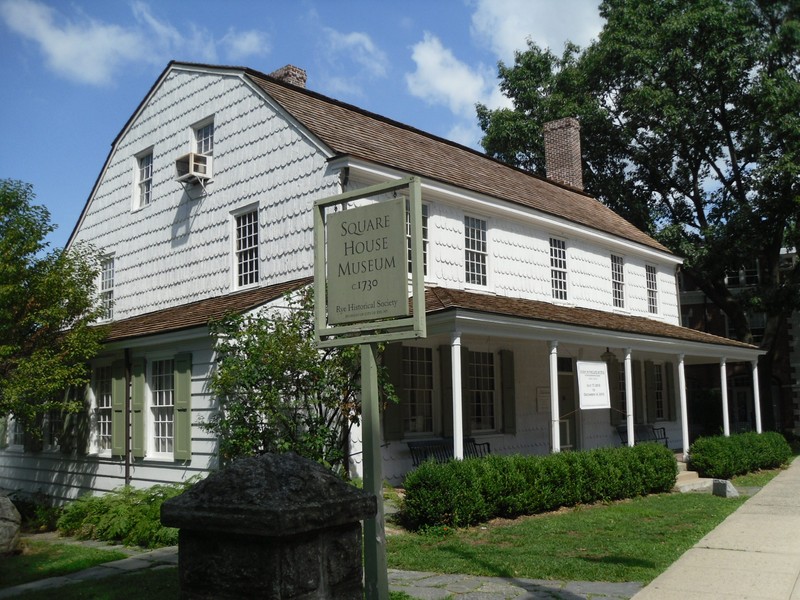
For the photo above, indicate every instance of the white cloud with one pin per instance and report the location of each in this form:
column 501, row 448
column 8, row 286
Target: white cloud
column 506, row 25
column 360, row 48
column 440, row 78
column 242, row 44
column 88, row 51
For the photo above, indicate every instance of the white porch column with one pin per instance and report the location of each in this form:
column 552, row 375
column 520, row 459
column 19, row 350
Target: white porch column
column 756, row 396
column 723, row 386
column 684, row 410
column 555, row 423
column 458, row 419
column 629, row 396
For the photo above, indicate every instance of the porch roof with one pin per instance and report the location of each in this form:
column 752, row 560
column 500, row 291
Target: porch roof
column 198, row 314
column 440, row 300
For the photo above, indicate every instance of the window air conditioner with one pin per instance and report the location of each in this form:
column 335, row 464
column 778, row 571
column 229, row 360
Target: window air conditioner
column 193, row 167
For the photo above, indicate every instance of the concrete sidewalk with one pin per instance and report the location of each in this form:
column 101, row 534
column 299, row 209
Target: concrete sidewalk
column 753, row 554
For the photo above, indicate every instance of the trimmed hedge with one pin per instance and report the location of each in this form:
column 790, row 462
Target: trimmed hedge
column 463, row 493
column 723, row 457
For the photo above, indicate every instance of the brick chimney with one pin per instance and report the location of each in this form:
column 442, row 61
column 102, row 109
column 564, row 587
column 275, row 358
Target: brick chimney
column 562, row 151
column 291, row 74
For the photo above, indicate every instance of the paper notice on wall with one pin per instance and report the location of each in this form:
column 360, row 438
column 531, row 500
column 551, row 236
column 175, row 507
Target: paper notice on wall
column 593, row 385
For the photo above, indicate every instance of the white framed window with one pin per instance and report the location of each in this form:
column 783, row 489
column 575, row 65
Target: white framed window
column 652, row 289
column 418, row 385
column 204, row 138
column 475, row 250
column 107, row 287
column 757, row 321
column 52, row 430
column 618, row 280
column 144, row 178
column 103, row 380
column 246, row 250
column 482, row 391
column 558, row 268
column 424, row 237
column 162, row 406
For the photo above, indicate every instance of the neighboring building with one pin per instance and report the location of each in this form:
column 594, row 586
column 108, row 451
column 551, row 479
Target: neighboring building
column 204, row 205
column 781, row 408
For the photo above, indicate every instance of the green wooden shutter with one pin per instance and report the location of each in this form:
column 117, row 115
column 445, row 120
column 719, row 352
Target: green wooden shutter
column 393, row 411
column 3, row 432
column 446, row 380
column 138, row 385
column 638, row 414
column 650, row 390
column 31, row 442
column 182, row 442
column 618, row 410
column 669, row 375
column 509, row 391
column 118, row 389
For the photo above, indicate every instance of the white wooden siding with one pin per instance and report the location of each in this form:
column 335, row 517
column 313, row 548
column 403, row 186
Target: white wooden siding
column 178, row 249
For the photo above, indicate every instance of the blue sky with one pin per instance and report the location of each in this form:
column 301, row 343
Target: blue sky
column 73, row 71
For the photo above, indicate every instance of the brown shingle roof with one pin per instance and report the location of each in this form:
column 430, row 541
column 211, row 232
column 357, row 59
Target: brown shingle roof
column 440, row 299
column 348, row 130
column 198, row 314
column 437, row 299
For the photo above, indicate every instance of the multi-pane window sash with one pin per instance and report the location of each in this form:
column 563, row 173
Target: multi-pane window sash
column 204, row 137
column 558, row 268
column 247, row 248
column 652, row 289
column 424, row 237
column 658, row 378
column 418, row 386
column 475, row 250
column 618, row 280
column 163, row 403
column 481, row 391
column 103, row 381
column 145, row 179
column 107, row 287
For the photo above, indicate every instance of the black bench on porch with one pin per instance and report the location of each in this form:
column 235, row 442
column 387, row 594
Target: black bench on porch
column 643, row 432
column 441, row 450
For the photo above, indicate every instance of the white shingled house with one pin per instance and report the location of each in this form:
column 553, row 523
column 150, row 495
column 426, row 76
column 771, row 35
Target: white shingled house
column 204, row 205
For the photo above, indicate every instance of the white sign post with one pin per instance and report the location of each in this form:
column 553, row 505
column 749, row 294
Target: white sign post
column 361, row 297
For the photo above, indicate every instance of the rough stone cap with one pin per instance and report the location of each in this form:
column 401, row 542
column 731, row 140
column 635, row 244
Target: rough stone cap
column 273, row 495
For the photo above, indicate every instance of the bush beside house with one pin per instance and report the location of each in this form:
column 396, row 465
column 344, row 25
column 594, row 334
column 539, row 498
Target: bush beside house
column 723, row 457
column 463, row 493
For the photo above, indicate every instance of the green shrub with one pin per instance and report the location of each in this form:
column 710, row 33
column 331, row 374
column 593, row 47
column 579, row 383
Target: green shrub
column 723, row 457
column 126, row 515
column 462, row 493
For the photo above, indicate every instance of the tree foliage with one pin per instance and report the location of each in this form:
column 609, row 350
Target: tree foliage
column 278, row 392
column 48, row 303
column 691, row 128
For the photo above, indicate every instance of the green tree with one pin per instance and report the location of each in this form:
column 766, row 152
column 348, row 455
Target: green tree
column 689, row 112
column 278, row 392
column 48, row 303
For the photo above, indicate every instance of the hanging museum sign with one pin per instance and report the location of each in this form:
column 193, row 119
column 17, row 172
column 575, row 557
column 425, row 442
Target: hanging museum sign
column 593, row 385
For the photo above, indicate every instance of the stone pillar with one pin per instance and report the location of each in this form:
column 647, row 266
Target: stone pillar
column 273, row 526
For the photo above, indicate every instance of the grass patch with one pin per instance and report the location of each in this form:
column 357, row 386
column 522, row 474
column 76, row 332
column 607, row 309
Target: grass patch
column 39, row 560
column 154, row 584
column 757, row 479
column 631, row 540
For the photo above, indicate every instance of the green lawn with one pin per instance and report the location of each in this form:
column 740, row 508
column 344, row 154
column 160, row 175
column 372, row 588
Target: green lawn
column 40, row 559
column 633, row 540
